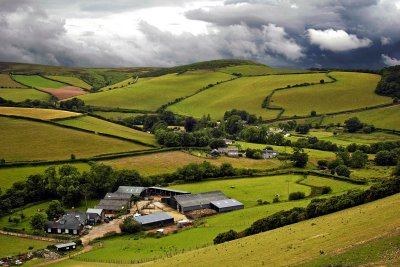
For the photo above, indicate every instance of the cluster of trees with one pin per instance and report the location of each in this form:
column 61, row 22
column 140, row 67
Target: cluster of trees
column 183, row 139
column 263, row 135
column 389, row 85
column 354, row 124
column 317, row 207
column 375, row 147
column 244, row 116
column 254, row 153
column 343, row 161
column 130, row 226
column 314, row 143
column 74, row 104
column 28, row 103
column 388, row 157
column 152, row 122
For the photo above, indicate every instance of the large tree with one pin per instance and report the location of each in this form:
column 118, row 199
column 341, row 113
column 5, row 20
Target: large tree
column 55, row 210
column 353, row 124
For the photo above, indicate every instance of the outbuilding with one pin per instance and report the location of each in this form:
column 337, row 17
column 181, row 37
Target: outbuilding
column 65, row 246
column 185, row 203
column 155, row 219
column 95, row 215
column 226, row 205
column 132, row 190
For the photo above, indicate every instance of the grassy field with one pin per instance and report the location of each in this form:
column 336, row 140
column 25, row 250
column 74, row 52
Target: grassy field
column 7, row 82
column 10, row 175
column 29, row 140
column 37, row 81
column 337, row 186
column 19, row 95
column 116, row 115
column 371, row 171
column 72, row 81
column 153, row 93
column 246, row 93
column 38, row 113
column 168, row 162
column 333, row 97
column 301, row 242
column 102, row 126
column 249, row 70
column 125, row 83
column 385, row 118
column 12, row 245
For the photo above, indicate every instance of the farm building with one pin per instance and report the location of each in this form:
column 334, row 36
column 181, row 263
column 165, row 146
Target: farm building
column 165, row 191
column 133, row 190
column 270, row 154
column 198, row 201
column 226, row 205
column 119, row 196
column 232, row 152
column 112, row 205
column 94, row 215
column 65, row 246
column 70, row 223
column 228, row 141
column 155, row 219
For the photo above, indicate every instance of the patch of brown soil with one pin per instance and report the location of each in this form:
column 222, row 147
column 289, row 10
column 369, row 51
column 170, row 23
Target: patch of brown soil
column 65, row 92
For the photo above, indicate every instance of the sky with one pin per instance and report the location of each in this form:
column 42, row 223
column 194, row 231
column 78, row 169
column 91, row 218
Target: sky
column 163, row 33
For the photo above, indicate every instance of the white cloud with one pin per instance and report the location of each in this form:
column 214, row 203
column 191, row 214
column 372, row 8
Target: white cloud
column 386, row 40
column 336, row 40
column 390, row 61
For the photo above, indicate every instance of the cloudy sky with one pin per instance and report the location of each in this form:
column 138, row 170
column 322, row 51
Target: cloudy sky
column 281, row 33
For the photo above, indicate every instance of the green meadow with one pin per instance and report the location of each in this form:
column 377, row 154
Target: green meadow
column 71, row 80
column 253, row 70
column 37, row 81
column 19, row 95
column 12, row 245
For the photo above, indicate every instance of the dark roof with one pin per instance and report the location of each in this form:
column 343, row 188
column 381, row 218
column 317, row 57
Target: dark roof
column 226, row 203
column 133, row 190
column 65, row 245
column 152, row 218
column 169, row 190
column 116, row 195
column 71, row 220
column 94, row 211
column 112, row 204
column 200, row 198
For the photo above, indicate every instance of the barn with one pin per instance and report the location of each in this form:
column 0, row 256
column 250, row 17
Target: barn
column 185, row 203
column 155, row 219
column 165, row 191
column 132, row 190
column 226, row 205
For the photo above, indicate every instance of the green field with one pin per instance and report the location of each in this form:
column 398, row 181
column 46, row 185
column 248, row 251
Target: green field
column 12, row 245
column 385, row 118
column 116, row 115
column 125, row 83
column 168, row 162
column 7, row 82
column 72, row 81
column 332, row 97
column 37, row 81
column 337, row 186
column 28, row 140
column 102, row 126
column 249, row 70
column 371, row 171
column 246, row 93
column 10, row 175
column 153, row 93
column 38, row 113
column 19, row 95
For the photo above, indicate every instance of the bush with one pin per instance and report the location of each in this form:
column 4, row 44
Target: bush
column 224, row 237
column 296, row 195
column 38, row 221
column 326, row 190
column 130, row 226
column 386, row 158
column 276, row 199
column 342, row 170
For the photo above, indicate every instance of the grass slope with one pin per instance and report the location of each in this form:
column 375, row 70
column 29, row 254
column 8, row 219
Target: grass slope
column 333, row 97
column 300, row 242
column 98, row 125
column 385, row 118
column 151, row 94
column 12, row 245
column 29, row 140
column 168, row 162
column 252, row 70
column 37, row 81
column 71, row 80
column 19, row 95
column 116, row 115
column 38, row 113
column 7, row 82
column 246, row 93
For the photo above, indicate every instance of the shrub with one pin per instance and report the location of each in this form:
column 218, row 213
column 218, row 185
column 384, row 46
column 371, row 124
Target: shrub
column 342, row 170
column 130, row 226
column 276, row 199
column 296, row 195
column 386, row 158
column 326, row 190
column 224, row 237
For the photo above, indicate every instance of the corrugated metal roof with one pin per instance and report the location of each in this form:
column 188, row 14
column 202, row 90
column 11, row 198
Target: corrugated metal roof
column 112, row 204
column 135, row 190
column 169, row 190
column 118, row 195
column 151, row 218
column 200, row 198
column 96, row 211
column 226, row 203
column 65, row 245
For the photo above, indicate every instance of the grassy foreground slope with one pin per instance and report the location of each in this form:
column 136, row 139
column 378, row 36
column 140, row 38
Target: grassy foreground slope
column 37, row 81
column 29, row 140
column 102, row 126
column 351, row 91
column 152, row 94
column 71, row 80
column 19, row 95
column 301, row 242
column 246, row 93
column 37, row 113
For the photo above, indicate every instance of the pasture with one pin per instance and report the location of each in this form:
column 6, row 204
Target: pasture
column 102, row 126
column 117, row 115
column 38, row 113
column 7, row 82
column 332, row 97
column 253, row 70
column 12, row 245
column 37, row 81
column 152, row 94
column 168, row 162
column 246, row 93
column 385, row 118
column 10, row 175
column 125, row 83
column 300, row 242
column 24, row 140
column 72, row 81
column 19, row 95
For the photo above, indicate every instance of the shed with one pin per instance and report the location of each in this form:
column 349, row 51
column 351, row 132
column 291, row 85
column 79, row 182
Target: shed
column 112, row 205
column 154, row 190
column 226, row 205
column 133, row 190
column 198, row 201
column 65, row 246
column 155, row 219
column 95, row 215
column 118, row 196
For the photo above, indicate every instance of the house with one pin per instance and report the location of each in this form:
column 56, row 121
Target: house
column 232, row 152
column 94, row 216
column 185, row 203
column 111, row 206
column 70, row 223
column 155, row 219
column 228, row 141
column 226, row 205
column 214, row 153
column 65, row 246
column 270, row 154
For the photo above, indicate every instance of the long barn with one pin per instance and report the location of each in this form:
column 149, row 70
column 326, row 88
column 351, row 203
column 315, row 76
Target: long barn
column 185, row 203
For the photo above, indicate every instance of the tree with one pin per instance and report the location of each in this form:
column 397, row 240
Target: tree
column 38, row 221
column 303, row 128
column 299, row 158
column 396, row 171
column 322, row 164
column 55, row 210
column 130, row 226
column 322, row 81
column 313, row 113
column 296, row 195
column 190, row 124
column 216, row 143
column 342, row 170
column 353, row 124
column 225, row 237
column 385, row 158
column 358, row 159
column 233, row 124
